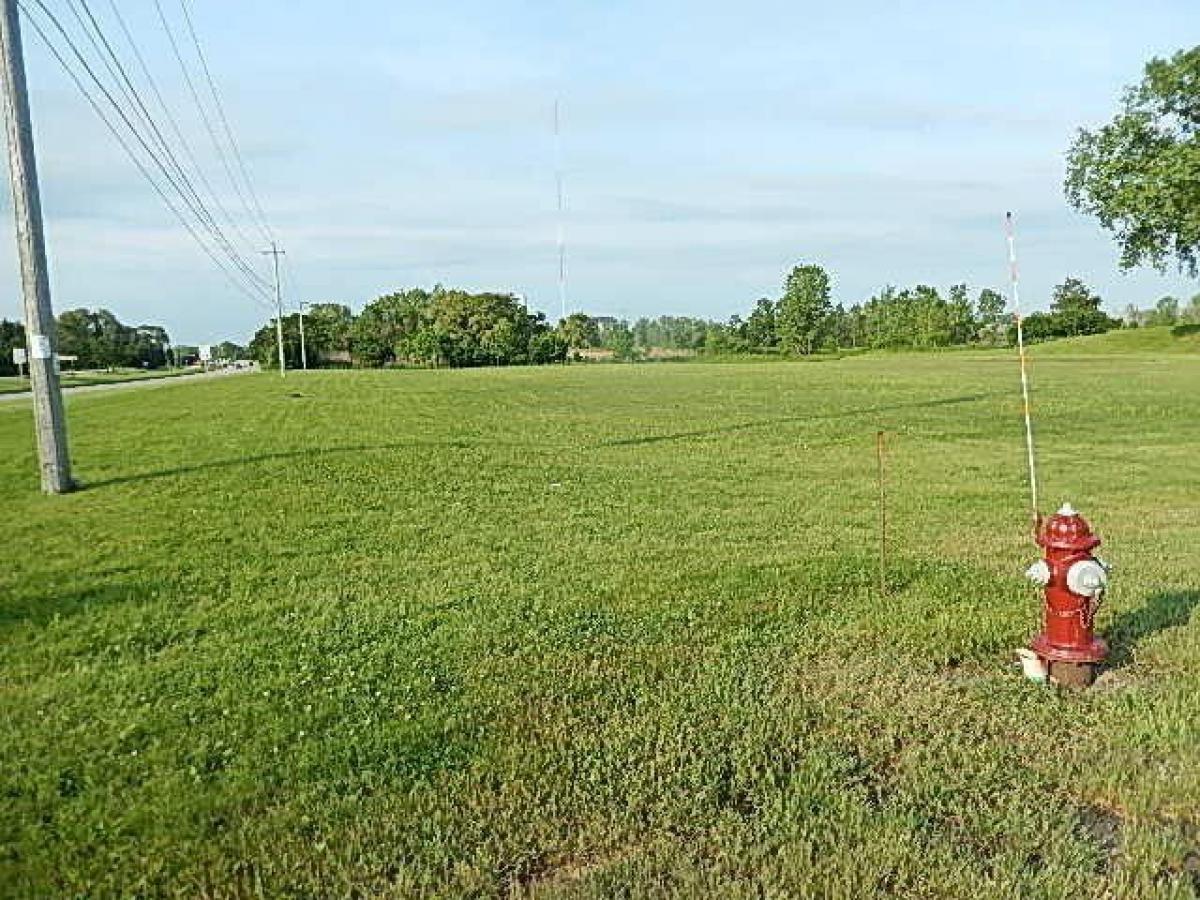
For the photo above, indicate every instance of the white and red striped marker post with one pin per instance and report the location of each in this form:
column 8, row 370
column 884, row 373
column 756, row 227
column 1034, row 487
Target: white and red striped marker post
column 1017, row 317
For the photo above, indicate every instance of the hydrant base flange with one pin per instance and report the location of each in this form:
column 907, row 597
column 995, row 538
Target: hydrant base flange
column 1095, row 652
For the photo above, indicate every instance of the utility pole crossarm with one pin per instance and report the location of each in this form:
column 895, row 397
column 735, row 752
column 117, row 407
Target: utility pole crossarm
column 49, row 415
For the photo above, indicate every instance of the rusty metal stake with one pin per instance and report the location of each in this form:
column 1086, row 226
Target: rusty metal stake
column 879, row 449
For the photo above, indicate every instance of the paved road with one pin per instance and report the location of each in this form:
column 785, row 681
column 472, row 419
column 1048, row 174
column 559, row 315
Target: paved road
column 132, row 385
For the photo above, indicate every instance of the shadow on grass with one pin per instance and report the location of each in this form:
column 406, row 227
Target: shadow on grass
column 42, row 609
column 458, row 444
column 1168, row 609
column 283, row 456
column 766, row 423
column 1185, row 330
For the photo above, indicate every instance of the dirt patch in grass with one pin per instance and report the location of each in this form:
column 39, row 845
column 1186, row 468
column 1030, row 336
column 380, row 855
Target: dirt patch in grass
column 552, row 873
column 1103, row 828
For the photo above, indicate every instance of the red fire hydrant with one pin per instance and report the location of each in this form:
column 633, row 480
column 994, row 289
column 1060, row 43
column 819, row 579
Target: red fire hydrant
column 1074, row 582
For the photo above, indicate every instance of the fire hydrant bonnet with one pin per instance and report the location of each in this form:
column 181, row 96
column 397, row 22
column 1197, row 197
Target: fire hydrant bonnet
column 1067, row 531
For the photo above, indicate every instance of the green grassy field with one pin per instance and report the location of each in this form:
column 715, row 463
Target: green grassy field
column 1155, row 340
column 598, row 631
column 82, row 379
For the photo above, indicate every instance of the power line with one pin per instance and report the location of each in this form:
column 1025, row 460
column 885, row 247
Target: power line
column 133, row 157
column 98, row 40
column 112, row 63
column 204, row 117
column 289, row 278
column 193, row 202
column 237, row 152
column 257, row 287
column 175, row 129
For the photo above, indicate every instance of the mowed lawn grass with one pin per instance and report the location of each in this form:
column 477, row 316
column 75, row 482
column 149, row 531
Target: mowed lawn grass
column 598, row 631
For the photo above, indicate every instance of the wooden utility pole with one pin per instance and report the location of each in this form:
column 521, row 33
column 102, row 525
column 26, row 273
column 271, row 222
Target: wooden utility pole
column 49, row 416
column 275, row 252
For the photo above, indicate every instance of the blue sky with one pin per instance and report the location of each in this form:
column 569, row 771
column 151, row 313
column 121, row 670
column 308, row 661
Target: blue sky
column 708, row 147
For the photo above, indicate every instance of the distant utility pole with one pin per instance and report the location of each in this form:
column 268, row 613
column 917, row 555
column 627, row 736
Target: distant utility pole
column 49, row 416
column 275, row 252
column 303, row 348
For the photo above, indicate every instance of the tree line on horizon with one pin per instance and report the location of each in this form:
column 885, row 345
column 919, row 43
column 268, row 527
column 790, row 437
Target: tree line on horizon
column 453, row 328
column 1137, row 175
column 804, row 320
column 97, row 339
column 442, row 327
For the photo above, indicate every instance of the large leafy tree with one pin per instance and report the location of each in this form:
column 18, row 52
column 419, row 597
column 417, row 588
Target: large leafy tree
column 1166, row 312
column 547, row 346
column 1076, row 310
column 579, row 331
column 761, row 329
column 929, row 316
column 441, row 327
column 483, row 329
column 804, row 309
column 12, row 336
column 671, row 332
column 229, row 350
column 327, row 330
column 620, row 340
column 99, row 340
column 1140, row 174
column 961, row 321
column 992, row 307
column 264, row 346
column 381, row 329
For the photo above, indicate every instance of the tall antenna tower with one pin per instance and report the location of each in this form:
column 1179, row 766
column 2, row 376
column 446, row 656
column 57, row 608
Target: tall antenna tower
column 562, row 239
